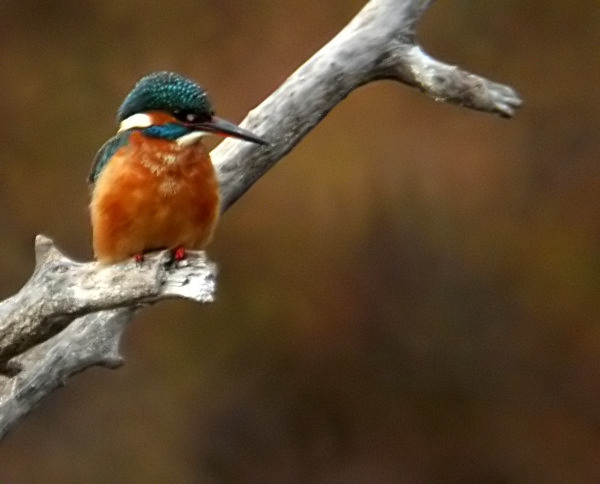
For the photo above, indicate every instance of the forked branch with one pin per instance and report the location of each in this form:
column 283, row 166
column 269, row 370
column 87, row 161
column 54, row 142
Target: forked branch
column 95, row 304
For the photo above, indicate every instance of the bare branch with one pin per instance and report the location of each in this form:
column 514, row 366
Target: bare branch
column 95, row 303
column 450, row 84
column 379, row 43
column 88, row 341
column 60, row 290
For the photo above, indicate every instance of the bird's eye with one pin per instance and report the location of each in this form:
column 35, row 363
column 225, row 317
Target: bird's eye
column 191, row 117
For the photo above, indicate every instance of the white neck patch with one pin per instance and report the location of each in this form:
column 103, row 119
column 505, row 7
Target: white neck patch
column 190, row 138
column 139, row 120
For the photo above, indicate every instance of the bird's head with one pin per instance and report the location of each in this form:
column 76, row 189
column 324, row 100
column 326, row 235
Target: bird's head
column 170, row 106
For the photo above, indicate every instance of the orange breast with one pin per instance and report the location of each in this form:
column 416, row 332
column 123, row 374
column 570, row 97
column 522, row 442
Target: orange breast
column 154, row 194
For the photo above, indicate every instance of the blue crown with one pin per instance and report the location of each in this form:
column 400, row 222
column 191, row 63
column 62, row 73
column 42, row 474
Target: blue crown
column 165, row 91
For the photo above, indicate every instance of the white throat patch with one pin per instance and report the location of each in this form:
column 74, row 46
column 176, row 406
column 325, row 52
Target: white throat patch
column 139, row 120
column 190, row 138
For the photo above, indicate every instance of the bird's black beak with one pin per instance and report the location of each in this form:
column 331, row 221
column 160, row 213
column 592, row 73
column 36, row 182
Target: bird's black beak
column 222, row 127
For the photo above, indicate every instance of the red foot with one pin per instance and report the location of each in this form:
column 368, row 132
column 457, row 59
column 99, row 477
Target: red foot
column 179, row 254
column 139, row 258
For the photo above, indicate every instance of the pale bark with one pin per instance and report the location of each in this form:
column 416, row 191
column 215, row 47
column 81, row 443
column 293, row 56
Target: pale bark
column 70, row 316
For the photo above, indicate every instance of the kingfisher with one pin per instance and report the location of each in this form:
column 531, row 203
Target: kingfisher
column 154, row 185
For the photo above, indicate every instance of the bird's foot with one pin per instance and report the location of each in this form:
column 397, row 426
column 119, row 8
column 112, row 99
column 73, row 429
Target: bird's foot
column 138, row 258
column 179, row 254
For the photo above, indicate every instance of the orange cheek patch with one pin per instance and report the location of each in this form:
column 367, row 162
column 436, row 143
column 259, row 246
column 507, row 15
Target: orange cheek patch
column 159, row 118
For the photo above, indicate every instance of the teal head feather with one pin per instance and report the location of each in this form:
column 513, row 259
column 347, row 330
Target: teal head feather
column 169, row 92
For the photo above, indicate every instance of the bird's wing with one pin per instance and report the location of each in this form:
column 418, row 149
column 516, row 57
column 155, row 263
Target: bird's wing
column 105, row 153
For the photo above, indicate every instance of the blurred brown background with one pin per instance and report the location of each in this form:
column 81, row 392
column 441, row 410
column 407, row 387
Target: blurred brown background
column 412, row 295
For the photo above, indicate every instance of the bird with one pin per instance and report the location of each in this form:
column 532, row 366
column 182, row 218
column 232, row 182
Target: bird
column 153, row 184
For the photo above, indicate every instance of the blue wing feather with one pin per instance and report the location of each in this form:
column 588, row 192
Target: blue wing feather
column 106, row 152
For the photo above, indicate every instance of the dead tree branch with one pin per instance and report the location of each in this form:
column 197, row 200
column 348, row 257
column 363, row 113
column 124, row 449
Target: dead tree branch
column 379, row 43
column 70, row 316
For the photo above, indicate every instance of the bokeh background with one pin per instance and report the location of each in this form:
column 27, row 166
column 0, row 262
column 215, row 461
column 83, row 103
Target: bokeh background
column 412, row 295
